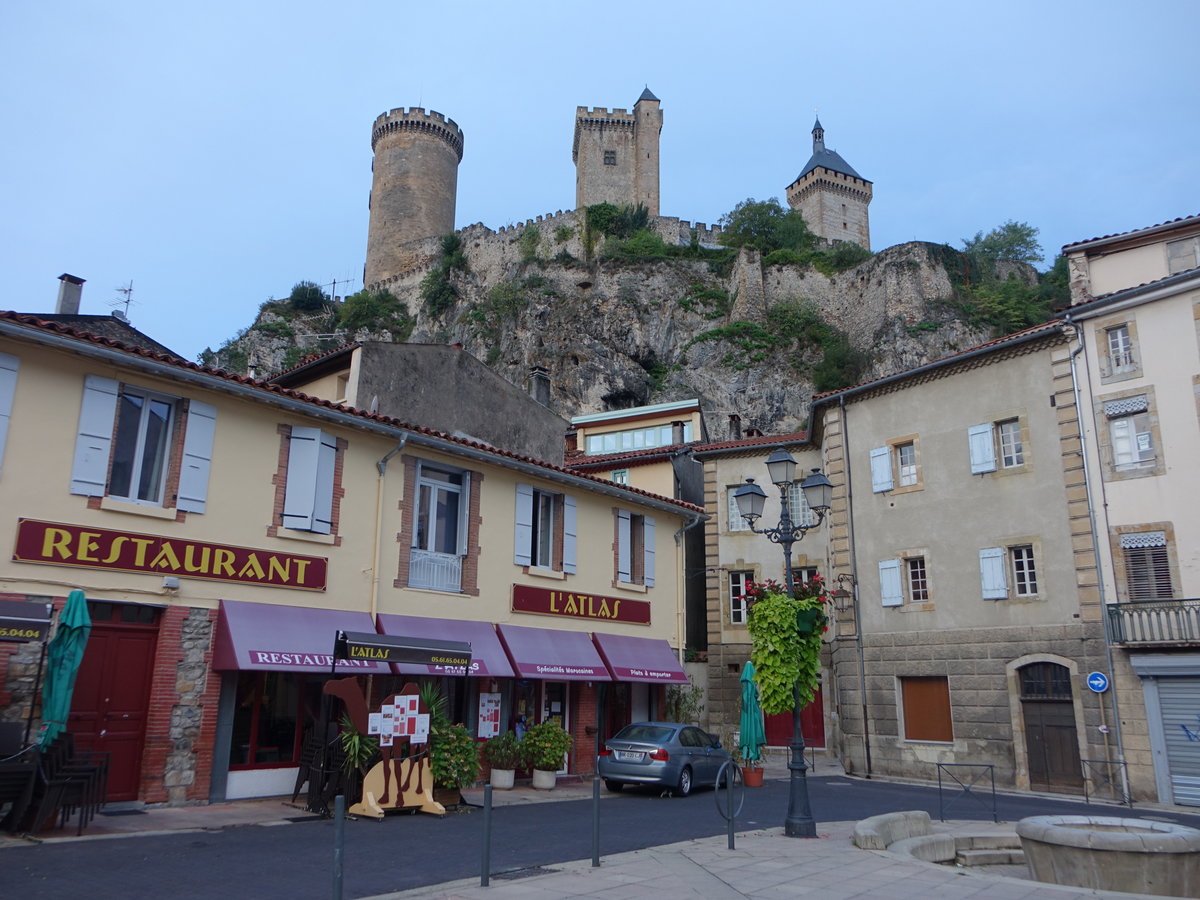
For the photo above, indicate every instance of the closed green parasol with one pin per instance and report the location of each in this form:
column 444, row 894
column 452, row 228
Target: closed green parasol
column 753, row 735
column 62, row 665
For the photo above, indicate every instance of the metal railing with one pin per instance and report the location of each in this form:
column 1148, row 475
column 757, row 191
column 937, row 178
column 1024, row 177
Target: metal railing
column 440, row 571
column 967, row 788
column 1105, row 779
column 1158, row 622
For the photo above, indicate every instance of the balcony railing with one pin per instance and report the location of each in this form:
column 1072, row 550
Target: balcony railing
column 440, row 571
column 1159, row 622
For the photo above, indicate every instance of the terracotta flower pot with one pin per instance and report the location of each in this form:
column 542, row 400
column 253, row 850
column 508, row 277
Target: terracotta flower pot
column 752, row 777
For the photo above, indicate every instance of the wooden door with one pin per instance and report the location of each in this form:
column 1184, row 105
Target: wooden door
column 812, row 723
column 1051, row 739
column 112, row 692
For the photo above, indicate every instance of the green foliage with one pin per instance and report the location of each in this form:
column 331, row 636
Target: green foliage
column 307, row 296
column 685, row 704
column 841, row 365
column 1006, row 306
column 527, row 242
column 846, row 255
column 563, row 233
column 375, row 310
column 1010, row 305
column 641, row 246
column 437, row 292
column 841, row 256
column 453, row 756
column 1054, row 286
column 764, row 225
column 291, row 358
column 785, row 258
column 544, row 746
column 276, row 329
column 503, row 751
column 785, row 638
column 504, row 304
column 1011, row 242
column 360, row 749
column 600, row 218
column 712, row 303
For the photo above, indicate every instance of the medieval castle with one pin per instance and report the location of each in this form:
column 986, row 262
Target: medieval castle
column 616, row 155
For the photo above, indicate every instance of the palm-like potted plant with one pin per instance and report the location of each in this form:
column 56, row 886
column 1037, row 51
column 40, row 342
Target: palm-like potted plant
column 543, row 749
column 503, row 754
column 453, row 754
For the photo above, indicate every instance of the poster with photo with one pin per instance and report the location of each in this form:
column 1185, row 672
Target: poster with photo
column 385, row 739
column 489, row 715
column 420, row 728
column 375, row 723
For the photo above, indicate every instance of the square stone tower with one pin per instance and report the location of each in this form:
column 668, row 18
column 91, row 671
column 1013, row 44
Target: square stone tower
column 831, row 196
column 616, row 155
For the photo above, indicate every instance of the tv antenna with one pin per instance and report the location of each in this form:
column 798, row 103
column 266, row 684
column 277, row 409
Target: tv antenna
column 123, row 314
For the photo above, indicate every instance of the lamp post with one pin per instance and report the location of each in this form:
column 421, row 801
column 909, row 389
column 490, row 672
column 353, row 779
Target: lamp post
column 750, row 498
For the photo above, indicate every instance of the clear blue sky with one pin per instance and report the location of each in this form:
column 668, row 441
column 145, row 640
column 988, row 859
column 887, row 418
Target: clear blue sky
column 216, row 153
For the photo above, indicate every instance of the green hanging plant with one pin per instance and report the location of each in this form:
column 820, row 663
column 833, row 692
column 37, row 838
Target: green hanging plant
column 785, row 636
column 360, row 749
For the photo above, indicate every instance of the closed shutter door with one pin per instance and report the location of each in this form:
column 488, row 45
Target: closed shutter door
column 1179, row 700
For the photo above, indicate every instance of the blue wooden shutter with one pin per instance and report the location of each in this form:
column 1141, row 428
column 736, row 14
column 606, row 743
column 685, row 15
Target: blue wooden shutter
column 523, row 529
column 197, row 456
column 881, row 469
column 323, row 489
column 8, row 389
column 891, row 593
column 624, row 568
column 300, row 495
column 648, row 548
column 992, row 574
column 569, row 552
column 982, row 448
column 93, row 442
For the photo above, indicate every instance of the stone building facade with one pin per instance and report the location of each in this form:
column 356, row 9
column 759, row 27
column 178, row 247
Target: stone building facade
column 831, row 196
column 616, row 155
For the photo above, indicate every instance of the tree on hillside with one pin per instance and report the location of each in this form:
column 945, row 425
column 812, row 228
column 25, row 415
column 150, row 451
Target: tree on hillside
column 1011, row 242
column 765, row 226
column 307, row 296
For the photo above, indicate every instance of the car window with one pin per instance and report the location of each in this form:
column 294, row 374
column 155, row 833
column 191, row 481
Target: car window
column 655, row 734
column 693, row 737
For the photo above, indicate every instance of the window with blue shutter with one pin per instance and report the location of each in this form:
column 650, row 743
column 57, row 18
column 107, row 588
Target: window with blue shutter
column 308, row 497
column 881, row 469
column 992, row 573
column 197, row 456
column 8, row 389
column 982, row 449
column 635, row 548
column 891, row 591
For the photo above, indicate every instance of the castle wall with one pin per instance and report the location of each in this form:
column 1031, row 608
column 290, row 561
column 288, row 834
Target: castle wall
column 413, row 188
column 597, row 132
column 834, row 205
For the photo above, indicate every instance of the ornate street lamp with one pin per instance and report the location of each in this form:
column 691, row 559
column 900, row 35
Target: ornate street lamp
column 750, row 498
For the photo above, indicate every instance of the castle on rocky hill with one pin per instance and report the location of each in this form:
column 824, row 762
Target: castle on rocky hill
column 616, row 154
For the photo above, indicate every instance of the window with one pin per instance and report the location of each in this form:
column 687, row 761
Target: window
column 610, row 157
column 1147, row 566
column 268, row 716
column 995, row 445
column 635, row 548
column 896, row 466
column 634, row 439
column 1117, row 346
column 309, row 487
column 439, row 534
column 1183, row 254
column 619, row 476
column 903, row 580
column 1130, row 434
column 801, row 514
column 141, row 447
column 926, row 706
column 1120, row 348
column 8, row 389
column 738, row 582
column 803, row 574
column 736, row 522
column 545, row 530
column 998, row 566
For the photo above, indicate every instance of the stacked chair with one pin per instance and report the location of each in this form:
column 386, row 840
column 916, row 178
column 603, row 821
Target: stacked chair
column 68, row 782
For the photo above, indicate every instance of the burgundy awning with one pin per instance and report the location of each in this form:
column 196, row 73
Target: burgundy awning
column 487, row 656
column 552, row 655
column 640, row 659
column 268, row 637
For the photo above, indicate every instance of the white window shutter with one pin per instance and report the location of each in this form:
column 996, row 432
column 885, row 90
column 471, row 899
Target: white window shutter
column 569, row 552
column 983, row 449
column 648, row 548
column 464, row 516
column 881, row 469
column 1123, row 441
column 197, row 457
column 8, row 389
column 323, row 490
column 891, row 593
column 624, row 567
column 300, row 495
column 93, row 442
column 991, row 573
column 523, row 528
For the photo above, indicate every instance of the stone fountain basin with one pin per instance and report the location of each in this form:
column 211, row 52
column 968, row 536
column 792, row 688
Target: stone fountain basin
column 1113, row 854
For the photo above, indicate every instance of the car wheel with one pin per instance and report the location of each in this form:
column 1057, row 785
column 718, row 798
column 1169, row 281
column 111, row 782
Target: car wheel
column 684, row 787
column 614, row 786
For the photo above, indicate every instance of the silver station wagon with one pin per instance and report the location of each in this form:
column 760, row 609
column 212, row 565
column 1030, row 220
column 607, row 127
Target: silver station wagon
column 678, row 757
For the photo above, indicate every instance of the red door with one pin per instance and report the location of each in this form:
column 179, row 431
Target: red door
column 112, row 692
column 812, row 722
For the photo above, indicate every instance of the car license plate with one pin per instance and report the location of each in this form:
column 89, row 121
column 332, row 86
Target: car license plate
column 630, row 755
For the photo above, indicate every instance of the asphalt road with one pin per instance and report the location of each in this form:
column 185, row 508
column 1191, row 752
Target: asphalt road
column 406, row 851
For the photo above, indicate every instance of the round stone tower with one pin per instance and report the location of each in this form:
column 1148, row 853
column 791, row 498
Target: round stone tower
column 413, row 187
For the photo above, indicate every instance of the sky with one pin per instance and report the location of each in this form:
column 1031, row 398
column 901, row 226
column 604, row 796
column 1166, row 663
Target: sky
column 213, row 154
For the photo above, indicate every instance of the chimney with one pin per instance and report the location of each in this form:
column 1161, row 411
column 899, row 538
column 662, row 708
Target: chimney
column 70, row 288
column 539, row 385
column 677, row 432
column 735, row 427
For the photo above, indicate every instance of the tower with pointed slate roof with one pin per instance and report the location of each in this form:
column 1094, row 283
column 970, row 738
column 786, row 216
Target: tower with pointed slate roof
column 831, row 196
column 616, row 154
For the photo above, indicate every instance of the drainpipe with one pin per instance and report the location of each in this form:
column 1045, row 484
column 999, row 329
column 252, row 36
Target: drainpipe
column 381, row 468
column 1087, row 483
column 858, row 626
column 681, row 585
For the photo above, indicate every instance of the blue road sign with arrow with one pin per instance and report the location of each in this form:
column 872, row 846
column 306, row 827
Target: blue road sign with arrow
column 1098, row 682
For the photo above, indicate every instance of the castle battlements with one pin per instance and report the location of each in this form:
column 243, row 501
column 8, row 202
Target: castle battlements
column 419, row 120
column 601, row 115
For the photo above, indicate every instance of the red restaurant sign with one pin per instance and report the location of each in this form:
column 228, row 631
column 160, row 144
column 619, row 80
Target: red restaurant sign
column 579, row 606
column 56, row 544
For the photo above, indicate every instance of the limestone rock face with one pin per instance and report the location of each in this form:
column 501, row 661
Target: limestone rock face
column 615, row 334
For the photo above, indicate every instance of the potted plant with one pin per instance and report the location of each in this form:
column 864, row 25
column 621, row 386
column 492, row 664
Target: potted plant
column 503, row 754
column 453, row 754
column 543, row 749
